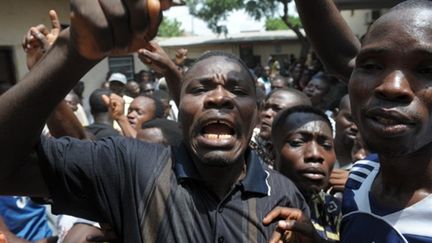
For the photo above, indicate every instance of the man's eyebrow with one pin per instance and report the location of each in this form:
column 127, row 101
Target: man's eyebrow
column 372, row 51
column 427, row 51
column 423, row 50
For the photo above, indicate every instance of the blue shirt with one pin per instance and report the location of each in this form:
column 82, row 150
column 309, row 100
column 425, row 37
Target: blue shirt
column 24, row 218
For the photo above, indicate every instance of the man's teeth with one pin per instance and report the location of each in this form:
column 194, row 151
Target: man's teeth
column 217, row 136
column 386, row 121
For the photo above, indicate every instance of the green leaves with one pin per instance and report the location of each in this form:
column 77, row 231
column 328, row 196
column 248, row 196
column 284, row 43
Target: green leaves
column 170, row 28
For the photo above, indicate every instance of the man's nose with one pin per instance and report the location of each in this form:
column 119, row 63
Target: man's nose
column 218, row 98
column 313, row 153
column 395, row 87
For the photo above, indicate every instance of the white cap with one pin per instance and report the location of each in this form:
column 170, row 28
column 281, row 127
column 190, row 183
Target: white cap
column 119, row 77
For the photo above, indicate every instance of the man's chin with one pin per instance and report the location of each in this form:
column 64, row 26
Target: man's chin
column 219, row 159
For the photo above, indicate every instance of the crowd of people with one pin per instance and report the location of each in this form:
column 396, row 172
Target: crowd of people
column 219, row 150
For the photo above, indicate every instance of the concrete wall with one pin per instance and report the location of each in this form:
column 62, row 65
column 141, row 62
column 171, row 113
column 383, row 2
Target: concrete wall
column 263, row 49
column 358, row 20
column 17, row 16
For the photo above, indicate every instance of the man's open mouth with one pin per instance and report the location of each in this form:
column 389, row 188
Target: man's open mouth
column 218, row 130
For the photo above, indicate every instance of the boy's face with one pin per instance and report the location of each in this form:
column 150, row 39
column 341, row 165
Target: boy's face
column 304, row 151
column 391, row 85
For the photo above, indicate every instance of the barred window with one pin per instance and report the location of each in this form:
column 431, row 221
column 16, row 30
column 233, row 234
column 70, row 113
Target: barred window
column 122, row 64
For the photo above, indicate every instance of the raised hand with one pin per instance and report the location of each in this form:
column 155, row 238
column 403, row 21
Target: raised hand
column 181, row 56
column 115, row 27
column 39, row 39
column 115, row 105
column 338, row 179
column 158, row 60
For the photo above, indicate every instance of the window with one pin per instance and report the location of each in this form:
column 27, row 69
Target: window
column 7, row 66
column 122, row 64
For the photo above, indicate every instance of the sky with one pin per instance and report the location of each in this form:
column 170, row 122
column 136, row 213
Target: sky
column 196, row 26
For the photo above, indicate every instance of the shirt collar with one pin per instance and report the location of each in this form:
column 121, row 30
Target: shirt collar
column 256, row 177
column 255, row 180
column 183, row 165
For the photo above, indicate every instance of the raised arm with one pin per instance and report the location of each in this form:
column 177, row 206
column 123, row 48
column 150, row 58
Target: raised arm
column 37, row 41
column 98, row 28
column 159, row 61
column 332, row 39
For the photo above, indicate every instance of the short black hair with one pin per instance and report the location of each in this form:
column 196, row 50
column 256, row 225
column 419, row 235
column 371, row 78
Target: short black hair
column 230, row 56
column 297, row 93
column 170, row 130
column 159, row 108
column 97, row 105
column 283, row 115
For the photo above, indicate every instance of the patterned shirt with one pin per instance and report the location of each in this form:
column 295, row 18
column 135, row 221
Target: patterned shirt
column 365, row 220
column 263, row 148
column 151, row 193
column 326, row 215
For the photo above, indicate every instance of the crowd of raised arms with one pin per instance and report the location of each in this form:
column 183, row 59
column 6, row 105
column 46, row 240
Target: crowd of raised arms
column 333, row 148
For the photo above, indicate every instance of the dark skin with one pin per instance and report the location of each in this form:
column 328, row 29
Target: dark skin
column 316, row 89
column 159, row 61
column 276, row 102
column 346, row 132
column 396, row 81
column 221, row 92
column 304, row 151
column 61, row 122
column 52, row 78
column 89, row 39
column 330, row 36
column 389, row 91
column 141, row 110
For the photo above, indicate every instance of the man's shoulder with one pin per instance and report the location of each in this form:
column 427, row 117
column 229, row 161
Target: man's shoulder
column 279, row 181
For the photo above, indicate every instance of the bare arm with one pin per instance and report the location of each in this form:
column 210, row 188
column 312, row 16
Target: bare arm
column 27, row 105
column 37, row 41
column 116, row 106
column 159, row 61
column 331, row 37
column 63, row 122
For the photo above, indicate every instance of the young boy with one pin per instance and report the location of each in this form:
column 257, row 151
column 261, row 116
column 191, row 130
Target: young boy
column 303, row 146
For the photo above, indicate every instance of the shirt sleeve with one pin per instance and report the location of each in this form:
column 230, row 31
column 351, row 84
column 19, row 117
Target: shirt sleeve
column 95, row 179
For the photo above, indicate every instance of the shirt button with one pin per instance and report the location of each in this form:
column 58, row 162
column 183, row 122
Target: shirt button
column 221, row 239
column 220, row 210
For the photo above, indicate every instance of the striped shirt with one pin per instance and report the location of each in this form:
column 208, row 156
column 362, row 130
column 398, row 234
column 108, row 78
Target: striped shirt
column 150, row 193
column 365, row 220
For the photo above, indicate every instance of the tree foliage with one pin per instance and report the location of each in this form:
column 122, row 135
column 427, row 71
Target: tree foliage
column 215, row 11
column 170, row 28
column 279, row 24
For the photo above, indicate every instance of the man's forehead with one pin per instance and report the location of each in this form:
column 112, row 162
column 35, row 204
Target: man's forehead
column 412, row 23
column 215, row 64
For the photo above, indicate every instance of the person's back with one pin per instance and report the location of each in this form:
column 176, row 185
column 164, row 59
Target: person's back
column 103, row 122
